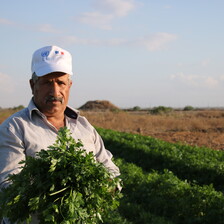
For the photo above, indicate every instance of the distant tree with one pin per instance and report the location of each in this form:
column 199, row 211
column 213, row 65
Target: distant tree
column 20, row 107
column 136, row 108
column 161, row 110
column 188, row 108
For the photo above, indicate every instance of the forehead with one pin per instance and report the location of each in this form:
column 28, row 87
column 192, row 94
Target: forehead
column 55, row 75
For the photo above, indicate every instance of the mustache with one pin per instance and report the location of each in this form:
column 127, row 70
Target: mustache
column 53, row 98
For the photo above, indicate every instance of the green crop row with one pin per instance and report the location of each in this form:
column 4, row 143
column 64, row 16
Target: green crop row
column 162, row 198
column 196, row 164
column 166, row 183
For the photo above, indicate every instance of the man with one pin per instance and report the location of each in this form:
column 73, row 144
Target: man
column 36, row 127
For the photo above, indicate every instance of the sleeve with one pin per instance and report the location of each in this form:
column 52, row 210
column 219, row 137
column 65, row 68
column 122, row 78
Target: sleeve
column 11, row 153
column 104, row 156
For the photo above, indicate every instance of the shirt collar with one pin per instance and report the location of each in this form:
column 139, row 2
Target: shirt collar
column 69, row 111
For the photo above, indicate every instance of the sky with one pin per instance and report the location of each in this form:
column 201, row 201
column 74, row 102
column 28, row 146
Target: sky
column 144, row 53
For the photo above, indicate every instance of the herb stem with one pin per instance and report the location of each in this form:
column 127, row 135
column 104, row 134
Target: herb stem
column 57, row 192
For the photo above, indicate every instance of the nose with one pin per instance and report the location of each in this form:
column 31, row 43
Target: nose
column 54, row 89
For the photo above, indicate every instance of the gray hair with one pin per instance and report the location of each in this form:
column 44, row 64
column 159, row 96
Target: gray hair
column 35, row 77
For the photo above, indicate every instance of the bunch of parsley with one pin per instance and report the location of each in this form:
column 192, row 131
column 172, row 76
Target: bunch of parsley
column 63, row 184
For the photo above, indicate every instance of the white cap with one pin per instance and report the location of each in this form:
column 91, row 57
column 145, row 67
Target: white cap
column 51, row 59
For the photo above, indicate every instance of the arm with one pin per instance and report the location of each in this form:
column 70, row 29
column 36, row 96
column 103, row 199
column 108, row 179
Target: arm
column 104, row 156
column 11, row 153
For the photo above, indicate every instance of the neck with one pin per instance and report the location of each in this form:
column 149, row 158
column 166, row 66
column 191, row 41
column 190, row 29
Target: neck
column 58, row 122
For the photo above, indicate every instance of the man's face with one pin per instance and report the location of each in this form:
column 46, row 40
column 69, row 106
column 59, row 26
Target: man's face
column 51, row 93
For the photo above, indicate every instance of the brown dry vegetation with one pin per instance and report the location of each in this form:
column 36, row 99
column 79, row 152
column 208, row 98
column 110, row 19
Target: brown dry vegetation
column 4, row 113
column 201, row 128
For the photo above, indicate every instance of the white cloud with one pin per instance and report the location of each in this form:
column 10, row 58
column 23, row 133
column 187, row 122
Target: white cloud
column 7, row 84
column 197, row 80
column 188, row 79
column 79, row 41
column 115, row 7
column 205, row 62
column 96, row 19
column 94, row 42
column 105, row 12
column 116, row 42
column 211, row 82
column 168, row 6
column 157, row 41
column 6, row 22
column 47, row 28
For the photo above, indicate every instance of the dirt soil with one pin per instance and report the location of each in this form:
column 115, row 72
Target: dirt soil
column 196, row 128
column 99, row 105
column 214, row 140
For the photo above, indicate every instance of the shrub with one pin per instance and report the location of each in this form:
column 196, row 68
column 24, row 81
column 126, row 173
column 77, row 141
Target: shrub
column 188, row 108
column 161, row 110
column 136, row 108
column 20, row 107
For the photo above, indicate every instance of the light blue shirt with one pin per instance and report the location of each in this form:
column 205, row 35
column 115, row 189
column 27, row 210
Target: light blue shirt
column 28, row 131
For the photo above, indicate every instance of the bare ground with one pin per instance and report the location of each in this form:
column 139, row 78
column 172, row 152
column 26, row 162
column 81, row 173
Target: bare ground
column 198, row 128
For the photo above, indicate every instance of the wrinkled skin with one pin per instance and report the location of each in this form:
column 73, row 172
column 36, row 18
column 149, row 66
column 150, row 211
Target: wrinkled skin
column 51, row 94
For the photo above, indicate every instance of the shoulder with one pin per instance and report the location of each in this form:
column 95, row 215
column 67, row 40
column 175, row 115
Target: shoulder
column 15, row 119
column 85, row 123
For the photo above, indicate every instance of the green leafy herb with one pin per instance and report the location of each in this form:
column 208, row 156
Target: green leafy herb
column 63, row 184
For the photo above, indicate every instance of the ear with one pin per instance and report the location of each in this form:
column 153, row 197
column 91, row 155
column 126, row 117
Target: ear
column 70, row 84
column 32, row 85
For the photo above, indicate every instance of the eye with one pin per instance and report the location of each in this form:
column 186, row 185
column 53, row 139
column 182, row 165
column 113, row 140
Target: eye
column 61, row 83
column 45, row 82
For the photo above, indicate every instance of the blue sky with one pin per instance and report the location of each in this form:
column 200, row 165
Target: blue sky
column 131, row 52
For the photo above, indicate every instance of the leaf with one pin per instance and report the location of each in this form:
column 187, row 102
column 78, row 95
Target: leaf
column 62, row 184
column 34, row 203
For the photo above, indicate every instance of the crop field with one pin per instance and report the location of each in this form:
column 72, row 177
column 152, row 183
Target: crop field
column 172, row 165
column 196, row 128
column 167, row 183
